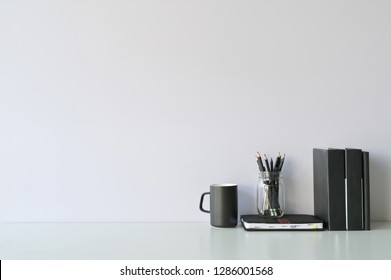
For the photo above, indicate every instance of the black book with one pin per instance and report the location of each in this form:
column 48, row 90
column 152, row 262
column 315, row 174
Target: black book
column 285, row 223
column 329, row 187
column 354, row 189
column 365, row 157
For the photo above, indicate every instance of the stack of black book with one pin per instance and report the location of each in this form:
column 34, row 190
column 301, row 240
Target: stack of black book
column 341, row 188
column 287, row 222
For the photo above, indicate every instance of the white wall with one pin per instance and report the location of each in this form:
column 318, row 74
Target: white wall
column 128, row 110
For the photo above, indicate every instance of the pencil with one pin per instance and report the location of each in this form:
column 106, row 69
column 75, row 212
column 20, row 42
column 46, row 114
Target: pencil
column 282, row 161
column 277, row 163
column 259, row 161
column 267, row 163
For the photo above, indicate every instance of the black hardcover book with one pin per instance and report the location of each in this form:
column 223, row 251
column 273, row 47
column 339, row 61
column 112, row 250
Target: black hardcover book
column 329, row 187
column 354, row 190
column 285, row 223
column 365, row 157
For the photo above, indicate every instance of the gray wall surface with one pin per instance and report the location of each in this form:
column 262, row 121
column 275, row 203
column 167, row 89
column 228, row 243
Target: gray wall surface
column 129, row 110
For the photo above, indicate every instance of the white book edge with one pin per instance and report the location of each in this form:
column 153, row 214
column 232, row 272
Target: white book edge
column 282, row 226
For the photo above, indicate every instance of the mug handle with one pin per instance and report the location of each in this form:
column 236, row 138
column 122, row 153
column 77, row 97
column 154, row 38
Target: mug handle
column 202, row 201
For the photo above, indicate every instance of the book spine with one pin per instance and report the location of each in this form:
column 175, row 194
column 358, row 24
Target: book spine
column 354, row 190
column 366, row 210
column 329, row 187
column 321, row 197
column 336, row 186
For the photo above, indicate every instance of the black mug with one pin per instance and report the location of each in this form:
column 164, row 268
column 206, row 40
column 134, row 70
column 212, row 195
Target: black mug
column 223, row 205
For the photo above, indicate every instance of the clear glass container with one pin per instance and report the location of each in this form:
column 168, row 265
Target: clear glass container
column 271, row 194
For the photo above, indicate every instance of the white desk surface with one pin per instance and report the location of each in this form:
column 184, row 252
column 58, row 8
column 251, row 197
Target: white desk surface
column 172, row 241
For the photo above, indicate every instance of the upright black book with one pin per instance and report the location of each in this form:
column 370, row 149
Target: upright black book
column 329, row 187
column 354, row 189
column 365, row 175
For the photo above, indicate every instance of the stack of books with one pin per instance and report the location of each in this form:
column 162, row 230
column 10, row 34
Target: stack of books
column 341, row 188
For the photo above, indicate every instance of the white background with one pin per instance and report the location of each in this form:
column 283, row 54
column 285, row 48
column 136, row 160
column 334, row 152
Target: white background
column 129, row 110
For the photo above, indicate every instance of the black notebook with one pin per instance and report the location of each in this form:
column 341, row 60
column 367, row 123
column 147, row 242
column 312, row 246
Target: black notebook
column 287, row 222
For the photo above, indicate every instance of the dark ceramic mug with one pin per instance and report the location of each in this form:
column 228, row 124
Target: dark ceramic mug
column 223, row 205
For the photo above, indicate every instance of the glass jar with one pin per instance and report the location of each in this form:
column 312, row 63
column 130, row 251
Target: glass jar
column 270, row 194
